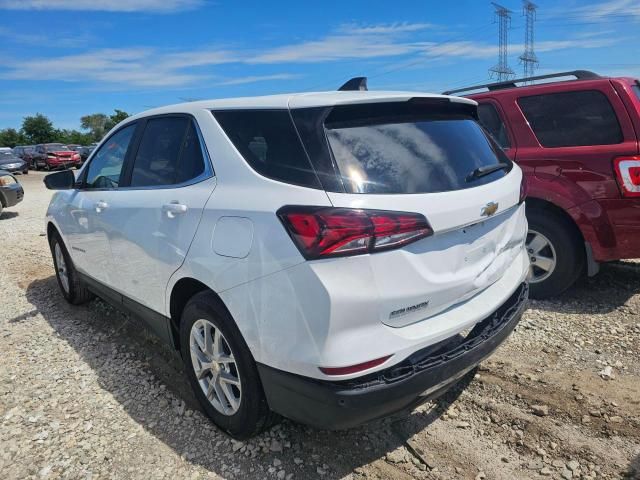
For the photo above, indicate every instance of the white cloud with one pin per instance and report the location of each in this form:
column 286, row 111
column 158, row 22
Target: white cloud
column 149, row 6
column 259, row 78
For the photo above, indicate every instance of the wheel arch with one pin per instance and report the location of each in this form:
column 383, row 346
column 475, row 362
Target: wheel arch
column 586, row 250
column 181, row 292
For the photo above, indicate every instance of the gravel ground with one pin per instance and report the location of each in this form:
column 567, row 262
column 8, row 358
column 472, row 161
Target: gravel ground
column 85, row 392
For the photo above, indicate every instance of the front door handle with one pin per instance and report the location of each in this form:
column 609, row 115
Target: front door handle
column 101, row 205
column 174, row 208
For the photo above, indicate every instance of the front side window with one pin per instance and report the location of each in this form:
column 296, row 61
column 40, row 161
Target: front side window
column 268, row 141
column 170, row 153
column 106, row 165
column 395, row 155
column 572, row 119
column 490, row 119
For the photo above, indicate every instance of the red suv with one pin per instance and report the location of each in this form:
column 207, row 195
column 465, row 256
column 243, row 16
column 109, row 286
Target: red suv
column 577, row 142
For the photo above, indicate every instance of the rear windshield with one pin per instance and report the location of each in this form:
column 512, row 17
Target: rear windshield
column 413, row 155
column 636, row 90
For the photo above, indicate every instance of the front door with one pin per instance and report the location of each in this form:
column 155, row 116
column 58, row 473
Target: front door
column 90, row 217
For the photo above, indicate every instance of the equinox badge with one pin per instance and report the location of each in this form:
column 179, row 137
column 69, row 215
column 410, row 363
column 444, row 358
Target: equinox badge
column 489, row 209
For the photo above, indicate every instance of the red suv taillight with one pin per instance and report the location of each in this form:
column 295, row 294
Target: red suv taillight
column 321, row 232
column 628, row 175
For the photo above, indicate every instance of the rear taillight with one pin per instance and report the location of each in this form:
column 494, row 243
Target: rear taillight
column 321, row 232
column 628, row 175
column 523, row 189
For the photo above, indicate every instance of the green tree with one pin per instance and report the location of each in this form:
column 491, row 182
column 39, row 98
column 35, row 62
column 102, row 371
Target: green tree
column 95, row 123
column 38, row 129
column 10, row 137
column 115, row 118
column 73, row 137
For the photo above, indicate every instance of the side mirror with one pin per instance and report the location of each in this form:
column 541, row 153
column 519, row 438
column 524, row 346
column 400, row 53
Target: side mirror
column 64, row 180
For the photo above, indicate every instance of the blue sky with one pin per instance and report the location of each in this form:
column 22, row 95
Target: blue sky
column 68, row 58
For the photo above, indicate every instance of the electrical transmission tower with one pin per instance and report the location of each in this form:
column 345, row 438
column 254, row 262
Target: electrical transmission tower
column 502, row 71
column 528, row 59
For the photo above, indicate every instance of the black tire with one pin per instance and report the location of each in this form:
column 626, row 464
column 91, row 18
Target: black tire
column 569, row 252
column 77, row 292
column 253, row 414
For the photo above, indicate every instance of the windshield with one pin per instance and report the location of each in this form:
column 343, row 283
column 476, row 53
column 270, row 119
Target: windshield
column 55, row 147
column 4, row 155
column 413, row 155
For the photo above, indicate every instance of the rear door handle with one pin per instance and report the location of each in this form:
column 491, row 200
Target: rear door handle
column 101, row 205
column 174, row 208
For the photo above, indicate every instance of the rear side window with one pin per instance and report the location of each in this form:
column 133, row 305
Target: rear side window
column 490, row 119
column 413, row 154
column 269, row 143
column 572, row 119
column 636, row 90
column 169, row 153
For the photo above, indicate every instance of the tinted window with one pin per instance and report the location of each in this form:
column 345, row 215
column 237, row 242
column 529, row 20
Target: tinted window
column 269, row 143
column 156, row 162
column 636, row 90
column 191, row 159
column 571, row 119
column 413, row 155
column 490, row 119
column 106, row 165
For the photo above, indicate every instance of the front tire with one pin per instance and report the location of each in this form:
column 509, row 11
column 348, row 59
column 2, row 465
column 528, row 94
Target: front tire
column 555, row 251
column 221, row 369
column 72, row 288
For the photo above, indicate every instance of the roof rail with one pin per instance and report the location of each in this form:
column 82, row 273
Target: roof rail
column 356, row 83
column 578, row 74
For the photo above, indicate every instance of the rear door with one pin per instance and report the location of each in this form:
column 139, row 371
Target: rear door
column 426, row 159
column 156, row 214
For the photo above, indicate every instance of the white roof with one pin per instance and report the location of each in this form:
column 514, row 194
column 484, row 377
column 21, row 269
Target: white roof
column 300, row 100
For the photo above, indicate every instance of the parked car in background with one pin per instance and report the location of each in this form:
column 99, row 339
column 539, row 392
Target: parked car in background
column 10, row 162
column 51, row 156
column 25, row 152
column 332, row 257
column 85, row 152
column 577, row 143
column 11, row 192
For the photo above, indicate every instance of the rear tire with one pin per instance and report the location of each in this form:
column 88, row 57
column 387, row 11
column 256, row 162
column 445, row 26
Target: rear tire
column 251, row 414
column 73, row 289
column 563, row 246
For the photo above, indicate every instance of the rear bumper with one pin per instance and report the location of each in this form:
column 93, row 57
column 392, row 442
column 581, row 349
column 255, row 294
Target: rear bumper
column 423, row 376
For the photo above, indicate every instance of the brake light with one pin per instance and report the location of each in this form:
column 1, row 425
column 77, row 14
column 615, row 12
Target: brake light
column 523, row 189
column 628, row 174
column 321, row 232
column 360, row 367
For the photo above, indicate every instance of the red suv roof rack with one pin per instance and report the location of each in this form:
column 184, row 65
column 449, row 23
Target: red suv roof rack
column 578, row 74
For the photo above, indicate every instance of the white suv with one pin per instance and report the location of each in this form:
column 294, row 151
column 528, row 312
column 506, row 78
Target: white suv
column 331, row 257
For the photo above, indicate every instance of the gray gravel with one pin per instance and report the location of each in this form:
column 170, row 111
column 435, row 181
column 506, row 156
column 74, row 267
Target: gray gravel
column 85, row 392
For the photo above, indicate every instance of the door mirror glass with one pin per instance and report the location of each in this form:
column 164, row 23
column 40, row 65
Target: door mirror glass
column 63, row 180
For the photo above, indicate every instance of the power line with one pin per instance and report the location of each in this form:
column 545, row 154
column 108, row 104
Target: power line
column 528, row 59
column 502, row 71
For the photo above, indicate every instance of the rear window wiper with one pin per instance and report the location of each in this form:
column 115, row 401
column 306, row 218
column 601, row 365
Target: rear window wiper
column 486, row 170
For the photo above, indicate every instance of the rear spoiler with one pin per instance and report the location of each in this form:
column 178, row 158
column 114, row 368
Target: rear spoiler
column 354, row 84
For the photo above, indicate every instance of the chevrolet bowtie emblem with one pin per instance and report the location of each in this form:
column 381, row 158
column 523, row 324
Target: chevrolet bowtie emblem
column 489, row 209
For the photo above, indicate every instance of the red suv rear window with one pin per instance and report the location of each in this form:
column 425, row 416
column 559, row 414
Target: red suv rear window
column 571, row 119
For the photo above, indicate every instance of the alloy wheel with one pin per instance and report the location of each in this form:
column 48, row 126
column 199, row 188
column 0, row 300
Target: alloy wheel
column 61, row 268
column 215, row 367
column 542, row 256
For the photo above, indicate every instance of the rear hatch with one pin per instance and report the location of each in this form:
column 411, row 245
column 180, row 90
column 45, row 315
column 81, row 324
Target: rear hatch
column 426, row 156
